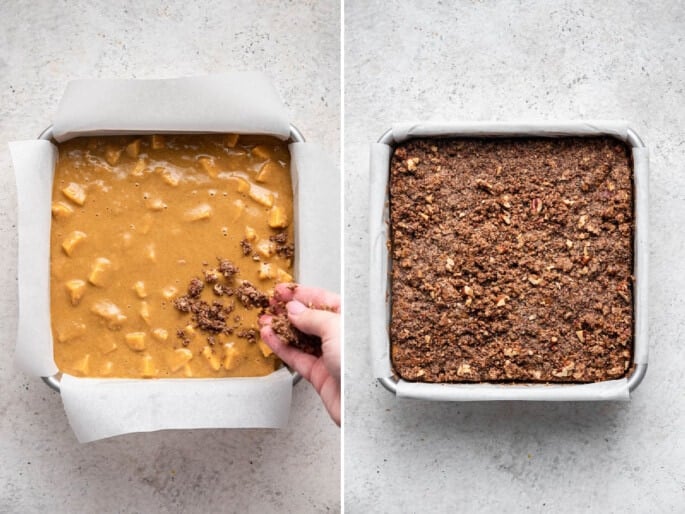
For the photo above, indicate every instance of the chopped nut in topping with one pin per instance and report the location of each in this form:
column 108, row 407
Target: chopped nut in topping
column 536, row 205
column 463, row 369
column 485, row 186
column 536, row 281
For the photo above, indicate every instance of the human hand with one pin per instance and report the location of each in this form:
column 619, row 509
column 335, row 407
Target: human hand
column 315, row 312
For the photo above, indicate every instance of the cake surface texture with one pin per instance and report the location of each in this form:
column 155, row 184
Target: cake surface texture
column 512, row 259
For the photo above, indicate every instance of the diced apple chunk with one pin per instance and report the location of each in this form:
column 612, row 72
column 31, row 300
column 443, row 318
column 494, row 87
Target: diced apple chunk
column 100, row 271
column 148, row 370
column 145, row 312
column 76, row 287
column 146, row 222
column 72, row 240
column 199, row 212
column 107, row 344
column 133, row 148
column 266, row 350
column 231, row 356
column 139, row 168
column 231, row 140
column 250, row 234
column 283, row 276
column 266, row 271
column 179, row 358
column 238, row 209
column 160, row 334
column 212, row 359
column 127, row 239
column 268, row 171
column 150, row 252
column 241, row 185
column 169, row 176
column 277, row 217
column 169, row 292
column 209, row 166
column 112, row 155
column 157, row 142
column 189, row 332
column 187, row 371
column 261, row 152
column 262, row 197
column 75, row 193
column 135, row 341
column 266, row 248
column 155, row 204
column 106, row 368
column 82, row 365
column 70, row 331
column 109, row 312
column 139, row 288
column 61, row 210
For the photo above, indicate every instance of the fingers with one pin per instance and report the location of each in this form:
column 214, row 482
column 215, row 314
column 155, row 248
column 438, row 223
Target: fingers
column 311, row 296
column 311, row 368
column 324, row 324
column 323, row 373
column 294, row 358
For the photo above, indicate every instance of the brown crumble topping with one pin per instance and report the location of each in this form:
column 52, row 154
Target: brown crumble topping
column 511, row 260
column 195, row 288
column 250, row 296
column 221, row 290
column 289, row 333
column 248, row 333
column 227, row 268
column 283, row 248
column 246, row 247
column 211, row 276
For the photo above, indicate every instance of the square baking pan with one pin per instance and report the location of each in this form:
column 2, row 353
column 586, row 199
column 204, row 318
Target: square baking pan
column 54, row 380
column 381, row 265
column 229, row 102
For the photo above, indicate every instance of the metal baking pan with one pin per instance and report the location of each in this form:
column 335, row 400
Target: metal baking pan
column 54, row 380
column 381, row 265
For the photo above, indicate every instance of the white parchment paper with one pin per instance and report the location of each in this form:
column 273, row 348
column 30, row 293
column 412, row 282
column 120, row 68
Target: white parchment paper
column 316, row 187
column 99, row 408
column 32, row 160
column 244, row 103
column 379, row 304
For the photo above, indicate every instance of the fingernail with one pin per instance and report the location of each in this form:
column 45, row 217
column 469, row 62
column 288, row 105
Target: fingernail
column 295, row 307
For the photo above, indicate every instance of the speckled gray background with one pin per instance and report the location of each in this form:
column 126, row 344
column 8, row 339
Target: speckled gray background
column 43, row 44
column 487, row 60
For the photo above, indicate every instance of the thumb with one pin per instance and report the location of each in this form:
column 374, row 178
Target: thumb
column 315, row 322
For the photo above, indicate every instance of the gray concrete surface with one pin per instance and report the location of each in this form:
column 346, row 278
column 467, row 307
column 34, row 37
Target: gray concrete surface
column 42, row 46
column 487, row 60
